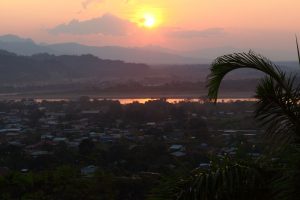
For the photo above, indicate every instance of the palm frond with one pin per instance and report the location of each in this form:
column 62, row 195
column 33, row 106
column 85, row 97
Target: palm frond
column 285, row 185
column 278, row 97
column 298, row 51
column 229, row 182
column 278, row 110
column 227, row 63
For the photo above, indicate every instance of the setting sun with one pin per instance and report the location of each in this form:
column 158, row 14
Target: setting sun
column 147, row 17
column 149, row 21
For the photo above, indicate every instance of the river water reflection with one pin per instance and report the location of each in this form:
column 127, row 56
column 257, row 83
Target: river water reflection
column 227, row 100
column 170, row 100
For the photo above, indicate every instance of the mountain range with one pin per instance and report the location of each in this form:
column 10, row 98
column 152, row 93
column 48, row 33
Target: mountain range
column 148, row 54
column 45, row 68
column 151, row 54
column 23, row 61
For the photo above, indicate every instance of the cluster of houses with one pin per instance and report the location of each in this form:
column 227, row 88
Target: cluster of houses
column 53, row 128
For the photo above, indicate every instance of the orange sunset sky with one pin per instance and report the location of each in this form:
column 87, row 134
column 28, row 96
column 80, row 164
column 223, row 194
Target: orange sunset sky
column 267, row 26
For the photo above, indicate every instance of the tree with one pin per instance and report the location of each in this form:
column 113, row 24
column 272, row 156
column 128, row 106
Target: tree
column 230, row 180
column 278, row 110
column 86, row 147
column 277, row 93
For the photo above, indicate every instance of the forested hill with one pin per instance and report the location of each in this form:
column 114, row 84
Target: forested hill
column 46, row 67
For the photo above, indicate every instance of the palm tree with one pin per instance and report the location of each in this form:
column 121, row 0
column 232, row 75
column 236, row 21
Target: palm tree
column 278, row 111
column 230, row 180
column 278, row 93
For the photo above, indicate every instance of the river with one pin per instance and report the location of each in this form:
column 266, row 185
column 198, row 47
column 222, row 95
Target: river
column 144, row 100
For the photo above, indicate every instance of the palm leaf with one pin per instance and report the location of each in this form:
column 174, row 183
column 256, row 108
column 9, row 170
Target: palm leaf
column 227, row 63
column 285, row 185
column 298, row 51
column 277, row 110
column 278, row 97
column 228, row 182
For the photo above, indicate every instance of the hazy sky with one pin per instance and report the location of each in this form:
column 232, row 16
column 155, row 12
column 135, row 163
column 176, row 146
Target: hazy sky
column 268, row 26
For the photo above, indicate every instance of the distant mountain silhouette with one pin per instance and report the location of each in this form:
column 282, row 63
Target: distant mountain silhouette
column 22, row 46
column 148, row 54
column 276, row 55
column 45, row 68
column 14, row 38
column 212, row 53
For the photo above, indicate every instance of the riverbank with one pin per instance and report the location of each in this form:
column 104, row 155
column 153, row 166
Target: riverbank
column 120, row 95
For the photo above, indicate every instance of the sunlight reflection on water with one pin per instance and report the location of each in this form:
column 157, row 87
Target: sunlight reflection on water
column 170, row 100
column 225, row 100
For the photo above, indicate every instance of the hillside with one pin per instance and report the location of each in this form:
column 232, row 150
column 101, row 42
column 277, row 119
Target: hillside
column 147, row 55
column 45, row 68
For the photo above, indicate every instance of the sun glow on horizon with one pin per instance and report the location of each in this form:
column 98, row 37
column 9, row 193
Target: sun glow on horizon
column 148, row 17
column 149, row 21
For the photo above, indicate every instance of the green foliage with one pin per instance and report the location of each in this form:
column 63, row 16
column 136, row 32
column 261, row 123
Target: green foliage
column 226, row 180
column 66, row 183
column 278, row 110
column 285, row 183
column 277, row 93
column 168, row 186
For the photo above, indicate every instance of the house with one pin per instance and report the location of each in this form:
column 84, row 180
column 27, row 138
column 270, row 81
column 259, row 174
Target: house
column 88, row 171
column 39, row 153
column 16, row 143
column 107, row 139
column 55, row 114
column 229, row 151
column 177, row 150
column 176, row 147
column 230, row 131
column 73, row 144
column 152, row 124
column 47, row 137
column 90, row 113
column 116, row 136
column 10, row 130
column 24, row 171
column 59, row 139
column 204, row 165
column 203, row 145
column 254, row 154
